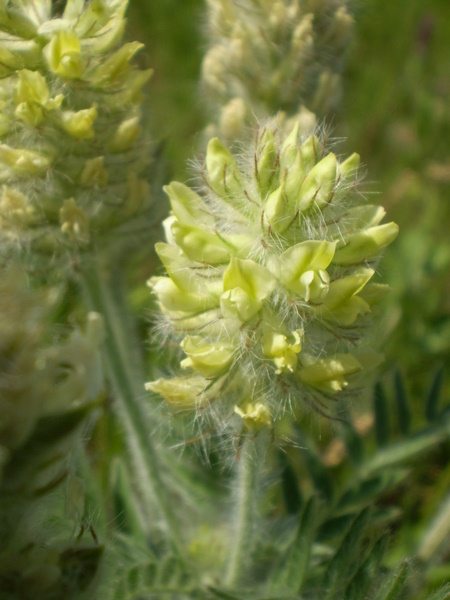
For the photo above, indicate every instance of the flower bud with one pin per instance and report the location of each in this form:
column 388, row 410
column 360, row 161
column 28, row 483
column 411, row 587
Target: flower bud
column 223, row 174
column 181, row 393
column 245, row 284
column 328, row 375
column 266, row 162
column 199, row 245
column 255, row 416
column 233, row 118
column 16, row 210
column 74, row 221
column 125, row 135
column 342, row 304
column 319, row 184
column 209, row 360
column 63, row 55
column 277, row 210
column 302, row 269
column 187, row 206
column 22, row 162
column 94, row 173
column 366, row 244
column 276, row 346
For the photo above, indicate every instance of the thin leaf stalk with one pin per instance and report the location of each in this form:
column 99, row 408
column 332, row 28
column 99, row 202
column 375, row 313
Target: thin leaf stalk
column 128, row 392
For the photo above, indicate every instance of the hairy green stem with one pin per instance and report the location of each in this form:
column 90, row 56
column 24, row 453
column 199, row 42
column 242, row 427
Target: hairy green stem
column 129, row 390
column 242, row 539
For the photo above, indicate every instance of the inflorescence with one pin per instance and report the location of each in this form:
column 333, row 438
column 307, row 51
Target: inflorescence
column 268, row 282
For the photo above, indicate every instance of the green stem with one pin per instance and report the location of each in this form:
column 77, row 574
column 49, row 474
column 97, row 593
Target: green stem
column 129, row 390
column 242, row 540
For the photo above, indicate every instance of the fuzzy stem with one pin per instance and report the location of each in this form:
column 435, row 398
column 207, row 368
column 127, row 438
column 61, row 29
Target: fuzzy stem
column 242, row 540
column 129, row 392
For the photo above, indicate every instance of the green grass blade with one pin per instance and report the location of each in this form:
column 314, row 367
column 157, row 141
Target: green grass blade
column 395, row 585
column 401, row 398
column 432, row 402
column 382, row 427
column 348, row 557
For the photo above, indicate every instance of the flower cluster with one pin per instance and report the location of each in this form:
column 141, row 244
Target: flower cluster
column 70, row 134
column 40, row 383
column 47, row 394
column 269, row 277
column 270, row 55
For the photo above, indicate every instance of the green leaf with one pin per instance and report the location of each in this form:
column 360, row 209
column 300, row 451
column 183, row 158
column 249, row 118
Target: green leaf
column 432, row 402
column 395, row 585
column 79, row 566
column 45, row 446
column 408, row 449
column 298, row 560
column 403, row 411
column 359, row 585
column 382, row 429
column 319, row 474
column 335, row 526
column 291, row 492
column 361, row 582
column 367, row 490
column 222, row 594
column 379, row 549
column 127, row 513
column 338, row 525
column 442, row 594
column 353, row 442
column 244, row 593
column 292, row 573
column 347, row 559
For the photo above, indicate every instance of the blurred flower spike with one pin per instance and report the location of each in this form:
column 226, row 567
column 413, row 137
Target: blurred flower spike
column 269, row 280
column 71, row 147
column 269, row 55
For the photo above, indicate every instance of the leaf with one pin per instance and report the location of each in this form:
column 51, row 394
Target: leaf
column 44, row 447
column 353, row 442
column 292, row 572
column 403, row 411
column 298, row 560
column 347, row 559
column 367, row 490
column 291, row 491
column 408, row 449
column 394, row 587
column 382, row 429
column 442, row 594
column 359, row 585
column 79, row 565
column 432, row 402
column 244, row 593
column 335, row 526
column 361, row 582
column 319, row 475
column 127, row 513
